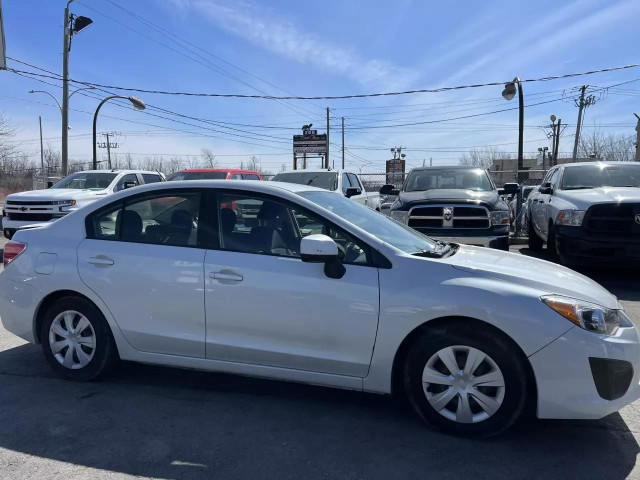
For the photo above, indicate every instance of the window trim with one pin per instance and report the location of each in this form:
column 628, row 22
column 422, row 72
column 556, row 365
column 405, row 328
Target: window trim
column 374, row 258
column 90, row 233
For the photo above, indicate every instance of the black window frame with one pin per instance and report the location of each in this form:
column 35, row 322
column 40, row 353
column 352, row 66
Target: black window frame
column 374, row 258
column 202, row 235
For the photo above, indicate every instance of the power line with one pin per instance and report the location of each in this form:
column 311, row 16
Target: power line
column 333, row 97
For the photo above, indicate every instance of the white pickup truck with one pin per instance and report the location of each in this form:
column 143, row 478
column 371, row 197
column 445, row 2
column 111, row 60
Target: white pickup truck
column 344, row 181
column 69, row 194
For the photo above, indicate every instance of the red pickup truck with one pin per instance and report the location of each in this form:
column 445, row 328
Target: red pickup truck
column 214, row 174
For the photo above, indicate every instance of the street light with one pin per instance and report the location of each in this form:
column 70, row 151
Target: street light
column 56, row 100
column 137, row 104
column 72, row 24
column 508, row 93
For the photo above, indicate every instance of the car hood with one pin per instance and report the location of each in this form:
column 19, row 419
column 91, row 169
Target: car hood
column 447, row 195
column 56, row 194
column 584, row 198
column 532, row 272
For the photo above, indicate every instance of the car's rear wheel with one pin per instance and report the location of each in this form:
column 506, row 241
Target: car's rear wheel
column 464, row 381
column 76, row 340
column 534, row 241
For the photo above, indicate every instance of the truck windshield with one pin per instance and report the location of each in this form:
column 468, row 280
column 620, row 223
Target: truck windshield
column 475, row 179
column 594, row 176
column 400, row 236
column 324, row 180
column 197, row 176
column 87, row 181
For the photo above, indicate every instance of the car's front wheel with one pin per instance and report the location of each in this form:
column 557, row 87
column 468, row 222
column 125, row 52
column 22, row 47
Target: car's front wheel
column 534, row 241
column 466, row 381
column 76, row 340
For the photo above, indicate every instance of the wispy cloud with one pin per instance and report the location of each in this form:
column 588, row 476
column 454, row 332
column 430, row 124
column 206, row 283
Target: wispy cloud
column 281, row 36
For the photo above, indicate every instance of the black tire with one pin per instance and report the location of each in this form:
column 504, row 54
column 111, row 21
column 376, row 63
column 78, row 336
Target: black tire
column 497, row 347
column 105, row 352
column 552, row 246
column 534, row 241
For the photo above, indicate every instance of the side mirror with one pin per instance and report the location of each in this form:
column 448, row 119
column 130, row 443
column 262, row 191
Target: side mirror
column 319, row 248
column 546, row 188
column 49, row 184
column 389, row 190
column 509, row 189
column 351, row 191
column 126, row 185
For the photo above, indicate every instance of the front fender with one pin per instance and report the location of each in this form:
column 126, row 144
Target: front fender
column 414, row 293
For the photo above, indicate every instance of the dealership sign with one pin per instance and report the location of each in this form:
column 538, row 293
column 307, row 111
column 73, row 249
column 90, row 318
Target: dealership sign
column 395, row 171
column 310, row 142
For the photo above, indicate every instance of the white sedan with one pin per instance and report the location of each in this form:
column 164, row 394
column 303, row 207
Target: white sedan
column 319, row 289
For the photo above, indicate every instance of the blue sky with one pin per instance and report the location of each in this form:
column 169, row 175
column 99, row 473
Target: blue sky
column 323, row 48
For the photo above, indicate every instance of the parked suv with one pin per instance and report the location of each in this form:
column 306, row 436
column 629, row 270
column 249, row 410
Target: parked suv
column 456, row 203
column 69, row 194
column 214, row 174
column 588, row 213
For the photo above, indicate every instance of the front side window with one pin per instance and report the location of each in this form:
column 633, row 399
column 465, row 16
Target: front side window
column 250, row 176
column 354, row 180
column 131, row 177
column 87, row 181
column 345, row 183
column 475, row 179
column 262, row 226
column 160, row 219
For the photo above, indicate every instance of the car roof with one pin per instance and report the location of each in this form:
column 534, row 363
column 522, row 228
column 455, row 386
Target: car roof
column 221, row 170
column 116, row 171
column 578, row 164
column 449, row 167
column 316, row 170
column 262, row 186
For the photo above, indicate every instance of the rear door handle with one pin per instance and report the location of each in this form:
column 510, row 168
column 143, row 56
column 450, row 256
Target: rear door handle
column 100, row 261
column 234, row 277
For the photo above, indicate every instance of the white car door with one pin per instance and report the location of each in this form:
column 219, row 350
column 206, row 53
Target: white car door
column 141, row 258
column 264, row 306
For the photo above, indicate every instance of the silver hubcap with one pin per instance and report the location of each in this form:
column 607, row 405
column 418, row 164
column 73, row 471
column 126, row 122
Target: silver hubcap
column 72, row 339
column 463, row 384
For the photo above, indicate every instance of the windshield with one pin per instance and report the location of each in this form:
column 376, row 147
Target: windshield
column 469, row 179
column 87, row 181
column 400, row 236
column 593, row 176
column 324, row 180
column 197, row 176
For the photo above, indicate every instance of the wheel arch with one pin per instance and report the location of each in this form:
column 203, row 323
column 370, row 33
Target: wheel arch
column 442, row 323
column 49, row 300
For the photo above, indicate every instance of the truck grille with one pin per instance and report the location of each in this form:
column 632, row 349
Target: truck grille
column 32, row 202
column 618, row 218
column 36, row 217
column 449, row 216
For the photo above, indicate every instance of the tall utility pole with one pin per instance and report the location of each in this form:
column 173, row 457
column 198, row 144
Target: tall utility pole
column 637, row 138
column 108, row 150
column 557, row 140
column 326, row 156
column 41, row 148
column 579, row 124
column 65, row 89
column 343, row 142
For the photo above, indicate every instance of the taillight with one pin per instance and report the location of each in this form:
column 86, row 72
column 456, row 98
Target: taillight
column 12, row 250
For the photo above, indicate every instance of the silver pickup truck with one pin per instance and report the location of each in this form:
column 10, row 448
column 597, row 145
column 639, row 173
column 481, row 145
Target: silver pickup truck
column 588, row 213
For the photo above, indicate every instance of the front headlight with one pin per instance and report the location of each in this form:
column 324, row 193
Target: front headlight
column 401, row 216
column 500, row 217
column 589, row 316
column 67, row 203
column 571, row 218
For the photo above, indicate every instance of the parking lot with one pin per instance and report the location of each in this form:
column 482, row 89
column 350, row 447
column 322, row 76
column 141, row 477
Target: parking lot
column 152, row 422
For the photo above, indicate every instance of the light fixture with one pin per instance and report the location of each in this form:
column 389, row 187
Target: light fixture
column 509, row 91
column 80, row 23
column 137, row 103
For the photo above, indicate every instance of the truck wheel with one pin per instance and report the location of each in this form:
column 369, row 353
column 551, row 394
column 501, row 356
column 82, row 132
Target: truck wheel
column 534, row 241
column 466, row 381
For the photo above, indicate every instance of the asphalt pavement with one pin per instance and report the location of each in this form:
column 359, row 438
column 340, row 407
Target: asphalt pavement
column 152, row 422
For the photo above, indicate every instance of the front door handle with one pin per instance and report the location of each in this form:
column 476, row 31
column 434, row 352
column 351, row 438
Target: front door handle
column 234, row 277
column 100, row 261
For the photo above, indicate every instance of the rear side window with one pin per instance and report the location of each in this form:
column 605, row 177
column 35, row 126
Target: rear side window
column 250, row 176
column 151, row 178
column 102, row 224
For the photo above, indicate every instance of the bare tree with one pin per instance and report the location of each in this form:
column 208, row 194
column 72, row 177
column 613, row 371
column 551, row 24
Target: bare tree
column 283, row 167
column 609, row 147
column 483, row 157
column 253, row 163
column 209, row 158
column 128, row 160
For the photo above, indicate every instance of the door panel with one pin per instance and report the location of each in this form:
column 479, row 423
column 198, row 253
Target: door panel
column 155, row 292
column 280, row 311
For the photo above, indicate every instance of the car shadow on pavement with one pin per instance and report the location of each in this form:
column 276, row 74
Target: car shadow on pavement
column 169, row 423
